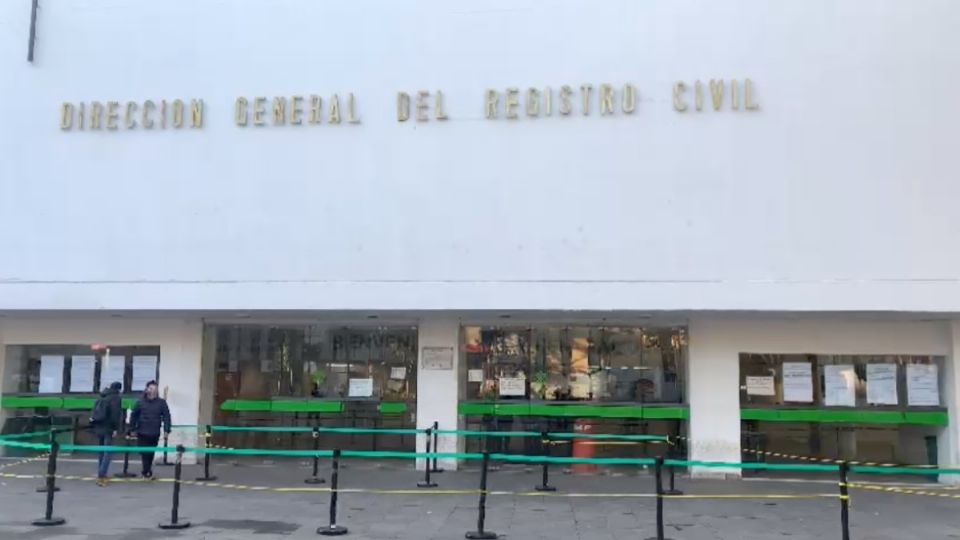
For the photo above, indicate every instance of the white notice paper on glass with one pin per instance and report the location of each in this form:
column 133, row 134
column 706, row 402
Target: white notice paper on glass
column 144, row 371
column 882, row 384
column 923, row 389
column 797, row 382
column 398, row 373
column 839, row 386
column 112, row 370
column 51, row 374
column 513, row 386
column 761, row 386
column 81, row 373
column 474, row 375
column 360, row 388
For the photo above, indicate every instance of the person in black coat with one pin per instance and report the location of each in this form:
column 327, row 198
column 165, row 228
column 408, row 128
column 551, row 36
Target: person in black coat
column 105, row 421
column 149, row 416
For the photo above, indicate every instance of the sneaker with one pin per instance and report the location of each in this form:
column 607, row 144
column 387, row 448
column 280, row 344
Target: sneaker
column 101, row 482
column 148, row 476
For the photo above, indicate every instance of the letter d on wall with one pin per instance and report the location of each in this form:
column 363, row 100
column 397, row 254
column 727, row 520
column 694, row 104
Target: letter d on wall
column 403, row 106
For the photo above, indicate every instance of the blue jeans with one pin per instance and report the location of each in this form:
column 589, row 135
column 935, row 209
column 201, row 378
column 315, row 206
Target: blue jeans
column 103, row 462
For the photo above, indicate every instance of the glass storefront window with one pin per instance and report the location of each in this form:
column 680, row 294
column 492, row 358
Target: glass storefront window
column 260, row 362
column 583, row 363
column 892, row 381
column 78, row 369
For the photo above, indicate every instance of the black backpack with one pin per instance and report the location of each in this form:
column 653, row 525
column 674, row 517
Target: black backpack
column 101, row 411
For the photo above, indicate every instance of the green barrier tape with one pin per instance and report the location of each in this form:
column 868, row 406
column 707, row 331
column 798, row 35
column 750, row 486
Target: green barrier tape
column 472, row 433
column 24, row 435
column 605, row 436
column 408, row 455
column 900, row 470
column 263, row 429
column 754, row 465
column 572, row 460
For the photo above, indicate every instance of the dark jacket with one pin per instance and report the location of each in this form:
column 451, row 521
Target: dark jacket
column 114, row 413
column 148, row 415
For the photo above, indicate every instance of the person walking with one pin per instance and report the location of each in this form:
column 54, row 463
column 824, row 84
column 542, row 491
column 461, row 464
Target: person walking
column 105, row 422
column 150, row 414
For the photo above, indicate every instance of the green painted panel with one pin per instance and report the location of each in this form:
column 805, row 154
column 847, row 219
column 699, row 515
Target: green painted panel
column 573, row 411
column 306, row 405
column 245, row 405
column 30, row 402
column 128, row 403
column 666, row 413
column 392, row 408
column 928, row 418
column 77, row 403
column 770, row 415
column 839, row 416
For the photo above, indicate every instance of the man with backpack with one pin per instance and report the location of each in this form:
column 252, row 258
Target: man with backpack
column 105, row 420
column 149, row 415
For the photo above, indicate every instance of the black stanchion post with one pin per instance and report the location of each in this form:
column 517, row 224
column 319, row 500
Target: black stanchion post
column 166, row 444
column 436, row 447
column 672, row 454
column 481, row 533
column 48, row 520
column 125, row 473
column 426, row 482
column 46, row 485
column 175, row 522
column 545, row 444
column 844, row 501
column 658, row 479
column 333, row 529
column 207, row 438
column 315, row 479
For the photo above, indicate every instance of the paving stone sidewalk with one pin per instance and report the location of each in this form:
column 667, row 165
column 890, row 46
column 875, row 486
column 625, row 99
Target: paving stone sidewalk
column 131, row 511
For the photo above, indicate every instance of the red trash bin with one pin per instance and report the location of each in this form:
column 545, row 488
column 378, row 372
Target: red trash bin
column 583, row 448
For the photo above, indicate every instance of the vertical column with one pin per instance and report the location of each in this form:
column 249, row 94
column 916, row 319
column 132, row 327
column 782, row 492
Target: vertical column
column 5, row 380
column 713, row 393
column 438, row 389
column 948, row 440
column 180, row 376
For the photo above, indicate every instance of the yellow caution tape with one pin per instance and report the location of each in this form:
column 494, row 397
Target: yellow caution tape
column 905, row 491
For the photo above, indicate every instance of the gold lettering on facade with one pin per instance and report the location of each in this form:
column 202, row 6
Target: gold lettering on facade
column 716, row 93
column 66, row 116
column 678, row 89
column 547, row 101
column 240, row 111
column 585, row 90
column 196, row 113
column 565, row 106
column 491, row 101
column 177, row 114
column 698, row 95
column 259, row 109
column 334, row 116
column 81, row 114
column 403, row 106
column 296, row 110
column 351, row 109
column 128, row 115
column 606, row 99
column 316, row 109
column 279, row 111
column 96, row 109
column 145, row 119
column 511, row 100
column 422, row 96
column 113, row 114
column 533, row 102
column 628, row 102
column 734, row 95
column 748, row 102
column 163, row 114
column 439, row 113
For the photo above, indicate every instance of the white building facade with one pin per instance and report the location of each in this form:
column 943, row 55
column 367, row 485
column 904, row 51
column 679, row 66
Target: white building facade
column 713, row 219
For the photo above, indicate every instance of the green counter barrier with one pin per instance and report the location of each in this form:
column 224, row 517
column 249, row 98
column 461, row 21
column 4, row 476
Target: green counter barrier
column 839, row 416
column 573, row 410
